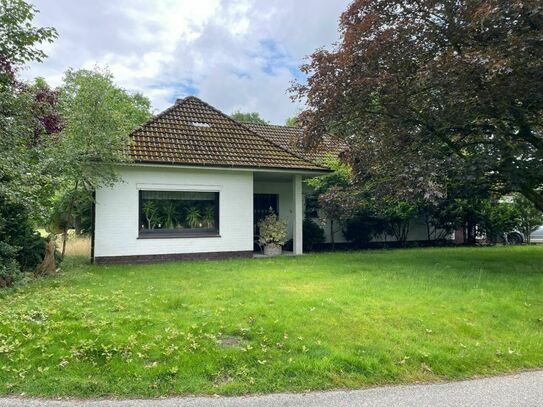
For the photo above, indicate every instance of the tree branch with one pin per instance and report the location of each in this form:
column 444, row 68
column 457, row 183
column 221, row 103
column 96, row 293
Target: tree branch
column 533, row 196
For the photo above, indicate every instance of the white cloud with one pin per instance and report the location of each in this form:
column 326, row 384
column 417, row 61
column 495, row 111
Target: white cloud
column 234, row 54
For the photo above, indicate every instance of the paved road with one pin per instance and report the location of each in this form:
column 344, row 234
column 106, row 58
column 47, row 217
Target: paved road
column 521, row 390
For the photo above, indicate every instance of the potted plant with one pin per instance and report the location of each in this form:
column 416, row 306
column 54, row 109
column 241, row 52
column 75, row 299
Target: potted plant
column 169, row 210
column 193, row 217
column 208, row 218
column 273, row 234
column 151, row 211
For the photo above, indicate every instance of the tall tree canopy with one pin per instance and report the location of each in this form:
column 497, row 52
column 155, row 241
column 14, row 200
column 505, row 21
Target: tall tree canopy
column 249, row 117
column 19, row 39
column 27, row 112
column 98, row 117
column 424, row 90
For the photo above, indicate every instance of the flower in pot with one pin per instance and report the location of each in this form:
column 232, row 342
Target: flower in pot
column 273, row 233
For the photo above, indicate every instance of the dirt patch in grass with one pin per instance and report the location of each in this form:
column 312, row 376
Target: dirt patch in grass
column 231, row 341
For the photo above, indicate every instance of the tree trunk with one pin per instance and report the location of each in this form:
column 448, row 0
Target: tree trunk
column 528, row 234
column 48, row 266
column 470, row 233
column 77, row 224
column 68, row 220
column 332, row 240
column 427, row 222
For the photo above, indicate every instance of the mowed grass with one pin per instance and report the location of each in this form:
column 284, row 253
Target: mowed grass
column 332, row 320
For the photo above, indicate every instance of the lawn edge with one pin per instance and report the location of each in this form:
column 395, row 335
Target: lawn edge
column 259, row 394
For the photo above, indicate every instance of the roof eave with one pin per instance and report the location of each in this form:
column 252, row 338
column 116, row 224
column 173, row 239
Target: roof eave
column 315, row 170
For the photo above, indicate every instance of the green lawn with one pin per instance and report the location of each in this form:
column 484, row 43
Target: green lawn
column 340, row 320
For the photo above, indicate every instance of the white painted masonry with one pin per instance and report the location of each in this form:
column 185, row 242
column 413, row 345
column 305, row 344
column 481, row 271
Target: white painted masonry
column 117, row 217
column 298, row 215
column 117, row 210
column 286, row 202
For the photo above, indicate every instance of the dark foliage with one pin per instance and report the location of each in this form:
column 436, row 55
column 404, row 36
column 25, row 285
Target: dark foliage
column 9, row 268
column 363, row 227
column 422, row 89
column 312, row 234
column 16, row 231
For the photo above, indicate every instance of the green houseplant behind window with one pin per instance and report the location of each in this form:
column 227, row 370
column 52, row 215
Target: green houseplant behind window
column 178, row 214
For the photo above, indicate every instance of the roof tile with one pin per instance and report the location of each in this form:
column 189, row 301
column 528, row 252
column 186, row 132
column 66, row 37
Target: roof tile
column 191, row 132
column 290, row 138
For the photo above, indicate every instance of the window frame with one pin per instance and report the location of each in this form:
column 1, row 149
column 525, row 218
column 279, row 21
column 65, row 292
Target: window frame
column 143, row 234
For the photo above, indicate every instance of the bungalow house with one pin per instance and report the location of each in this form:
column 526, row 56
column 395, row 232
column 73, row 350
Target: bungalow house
column 198, row 183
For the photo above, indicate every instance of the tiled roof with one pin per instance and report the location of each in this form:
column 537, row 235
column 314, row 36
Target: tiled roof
column 290, row 137
column 191, row 132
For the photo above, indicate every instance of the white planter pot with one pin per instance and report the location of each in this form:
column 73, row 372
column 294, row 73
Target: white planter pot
column 272, row 250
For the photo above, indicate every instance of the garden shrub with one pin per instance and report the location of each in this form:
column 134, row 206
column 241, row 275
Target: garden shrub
column 273, row 230
column 361, row 229
column 312, row 234
column 9, row 267
column 22, row 247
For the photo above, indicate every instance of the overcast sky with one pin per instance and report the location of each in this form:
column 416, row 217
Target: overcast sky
column 234, row 54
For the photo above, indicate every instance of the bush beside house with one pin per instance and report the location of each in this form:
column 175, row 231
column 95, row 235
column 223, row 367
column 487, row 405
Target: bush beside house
column 313, row 234
column 273, row 233
column 21, row 248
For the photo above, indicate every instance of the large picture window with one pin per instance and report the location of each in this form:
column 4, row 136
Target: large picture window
column 178, row 214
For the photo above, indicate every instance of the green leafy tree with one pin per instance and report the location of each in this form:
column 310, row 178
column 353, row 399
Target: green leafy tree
column 26, row 113
column 399, row 214
column 341, row 176
column 249, row 117
column 19, row 39
column 292, row 121
column 499, row 218
column 528, row 217
column 98, row 117
column 335, row 194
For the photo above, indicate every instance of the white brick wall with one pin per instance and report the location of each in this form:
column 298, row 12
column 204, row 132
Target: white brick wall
column 116, row 228
column 285, row 204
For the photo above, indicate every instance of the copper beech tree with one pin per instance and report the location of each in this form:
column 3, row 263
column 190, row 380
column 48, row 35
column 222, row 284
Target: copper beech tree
column 424, row 90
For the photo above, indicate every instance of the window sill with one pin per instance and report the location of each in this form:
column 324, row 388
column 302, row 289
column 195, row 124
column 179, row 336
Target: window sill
column 176, row 235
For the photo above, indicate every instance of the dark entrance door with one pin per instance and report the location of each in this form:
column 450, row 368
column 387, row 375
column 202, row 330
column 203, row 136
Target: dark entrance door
column 261, row 205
